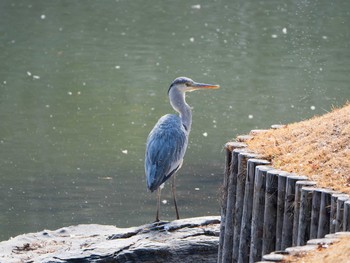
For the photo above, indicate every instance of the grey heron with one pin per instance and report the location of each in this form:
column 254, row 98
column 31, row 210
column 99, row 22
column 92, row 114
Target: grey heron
column 168, row 140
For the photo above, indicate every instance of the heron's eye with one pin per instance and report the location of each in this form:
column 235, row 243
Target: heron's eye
column 188, row 84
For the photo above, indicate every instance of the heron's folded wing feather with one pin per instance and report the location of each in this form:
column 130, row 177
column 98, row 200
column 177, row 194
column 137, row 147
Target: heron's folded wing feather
column 166, row 146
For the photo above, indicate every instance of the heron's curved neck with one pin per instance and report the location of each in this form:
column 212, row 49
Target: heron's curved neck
column 177, row 100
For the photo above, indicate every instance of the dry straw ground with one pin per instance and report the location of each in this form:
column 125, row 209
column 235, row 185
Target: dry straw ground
column 318, row 148
column 337, row 253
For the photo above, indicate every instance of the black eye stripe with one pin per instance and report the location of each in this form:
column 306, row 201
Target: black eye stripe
column 181, row 80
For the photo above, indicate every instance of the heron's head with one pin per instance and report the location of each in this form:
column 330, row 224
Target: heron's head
column 186, row 84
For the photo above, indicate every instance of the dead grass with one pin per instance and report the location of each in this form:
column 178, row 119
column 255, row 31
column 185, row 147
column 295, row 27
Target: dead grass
column 318, row 148
column 339, row 252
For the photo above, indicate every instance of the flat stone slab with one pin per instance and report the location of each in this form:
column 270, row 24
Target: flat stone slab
column 185, row 240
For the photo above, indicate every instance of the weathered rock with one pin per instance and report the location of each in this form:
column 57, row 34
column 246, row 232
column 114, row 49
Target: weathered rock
column 186, row 240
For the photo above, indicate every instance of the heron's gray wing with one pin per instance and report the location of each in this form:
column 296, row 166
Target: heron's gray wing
column 166, row 147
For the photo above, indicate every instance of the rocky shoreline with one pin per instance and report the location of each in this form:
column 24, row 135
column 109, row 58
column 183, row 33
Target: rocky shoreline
column 185, row 240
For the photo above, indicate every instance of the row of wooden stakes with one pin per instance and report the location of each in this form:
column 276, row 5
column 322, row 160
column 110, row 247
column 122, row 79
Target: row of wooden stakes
column 265, row 210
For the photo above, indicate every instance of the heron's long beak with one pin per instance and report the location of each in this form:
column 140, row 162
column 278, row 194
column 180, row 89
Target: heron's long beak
column 205, row 86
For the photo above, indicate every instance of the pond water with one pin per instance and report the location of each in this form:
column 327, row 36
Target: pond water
column 83, row 82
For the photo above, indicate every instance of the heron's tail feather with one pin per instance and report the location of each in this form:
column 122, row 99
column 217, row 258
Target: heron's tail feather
column 153, row 181
column 156, row 177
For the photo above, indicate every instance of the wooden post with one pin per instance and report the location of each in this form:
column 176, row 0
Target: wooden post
column 333, row 214
column 282, row 178
column 325, row 212
column 301, row 250
column 227, row 174
column 346, row 221
column 256, row 132
column 270, row 213
column 237, row 220
column 274, row 257
column 305, row 215
column 315, row 212
column 257, row 222
column 231, row 200
column 226, row 234
column 340, row 213
column 277, row 126
column 288, row 216
column 243, row 138
column 339, row 235
column 323, row 241
column 298, row 186
column 244, row 242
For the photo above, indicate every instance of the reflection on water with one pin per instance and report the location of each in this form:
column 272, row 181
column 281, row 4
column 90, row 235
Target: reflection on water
column 83, row 82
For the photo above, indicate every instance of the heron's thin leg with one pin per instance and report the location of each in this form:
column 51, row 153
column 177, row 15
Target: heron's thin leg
column 173, row 187
column 158, row 203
